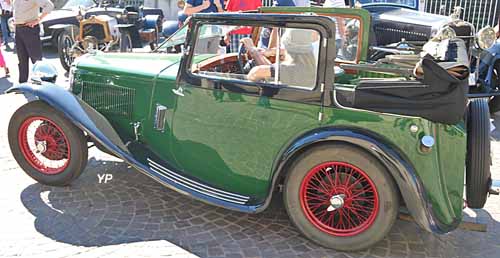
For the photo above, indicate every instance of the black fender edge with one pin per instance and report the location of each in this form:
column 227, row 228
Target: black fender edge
column 418, row 203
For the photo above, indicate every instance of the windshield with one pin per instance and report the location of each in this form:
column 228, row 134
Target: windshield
column 75, row 3
column 179, row 37
column 409, row 3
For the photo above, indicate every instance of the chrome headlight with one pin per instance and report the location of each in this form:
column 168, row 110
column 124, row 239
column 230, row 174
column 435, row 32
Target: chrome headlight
column 445, row 33
column 43, row 71
column 486, row 37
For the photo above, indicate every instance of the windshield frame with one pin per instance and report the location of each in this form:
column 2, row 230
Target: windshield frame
column 66, row 7
column 414, row 7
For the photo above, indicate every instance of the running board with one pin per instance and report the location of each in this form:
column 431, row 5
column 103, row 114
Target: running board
column 153, row 166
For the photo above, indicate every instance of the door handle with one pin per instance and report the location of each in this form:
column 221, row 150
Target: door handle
column 178, row 92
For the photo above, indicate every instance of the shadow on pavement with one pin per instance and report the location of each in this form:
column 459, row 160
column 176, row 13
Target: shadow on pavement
column 5, row 84
column 133, row 208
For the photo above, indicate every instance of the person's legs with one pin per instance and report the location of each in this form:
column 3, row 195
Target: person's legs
column 22, row 54
column 33, row 43
column 5, row 28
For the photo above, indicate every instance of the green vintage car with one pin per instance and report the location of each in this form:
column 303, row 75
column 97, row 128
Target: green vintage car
column 348, row 145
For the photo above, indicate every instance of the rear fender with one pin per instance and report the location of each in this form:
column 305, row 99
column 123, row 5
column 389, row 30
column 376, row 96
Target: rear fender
column 78, row 112
column 405, row 177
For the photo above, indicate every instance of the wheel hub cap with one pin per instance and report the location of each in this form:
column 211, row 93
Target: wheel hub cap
column 336, row 202
column 41, row 146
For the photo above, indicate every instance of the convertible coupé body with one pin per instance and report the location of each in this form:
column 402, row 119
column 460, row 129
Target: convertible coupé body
column 344, row 163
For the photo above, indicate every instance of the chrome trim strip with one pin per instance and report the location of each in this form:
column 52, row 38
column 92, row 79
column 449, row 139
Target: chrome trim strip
column 196, row 186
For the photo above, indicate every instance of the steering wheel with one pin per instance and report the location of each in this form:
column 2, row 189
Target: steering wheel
column 242, row 50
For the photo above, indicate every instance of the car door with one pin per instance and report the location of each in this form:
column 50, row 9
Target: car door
column 227, row 130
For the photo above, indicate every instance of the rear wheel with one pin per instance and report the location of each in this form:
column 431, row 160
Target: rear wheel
column 340, row 197
column 478, row 176
column 47, row 146
column 64, row 47
column 125, row 42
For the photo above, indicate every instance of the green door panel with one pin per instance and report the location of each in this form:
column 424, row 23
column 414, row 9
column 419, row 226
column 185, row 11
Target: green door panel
column 231, row 140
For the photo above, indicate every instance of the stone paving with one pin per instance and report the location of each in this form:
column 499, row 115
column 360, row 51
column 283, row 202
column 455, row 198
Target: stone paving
column 133, row 216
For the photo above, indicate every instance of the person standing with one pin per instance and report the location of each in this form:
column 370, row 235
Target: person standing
column 27, row 19
column 203, row 6
column 237, row 35
column 4, row 21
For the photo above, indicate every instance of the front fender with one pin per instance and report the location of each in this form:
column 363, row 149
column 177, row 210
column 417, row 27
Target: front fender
column 402, row 171
column 80, row 113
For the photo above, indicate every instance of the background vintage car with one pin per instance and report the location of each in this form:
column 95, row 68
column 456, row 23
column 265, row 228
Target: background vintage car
column 65, row 15
column 192, row 122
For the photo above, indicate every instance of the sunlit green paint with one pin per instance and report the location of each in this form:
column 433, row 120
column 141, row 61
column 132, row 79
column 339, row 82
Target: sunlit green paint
column 231, row 140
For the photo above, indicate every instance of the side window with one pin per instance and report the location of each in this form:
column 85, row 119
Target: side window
column 347, row 38
column 292, row 61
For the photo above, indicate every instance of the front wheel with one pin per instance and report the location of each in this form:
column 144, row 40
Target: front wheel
column 341, row 197
column 46, row 145
column 64, row 47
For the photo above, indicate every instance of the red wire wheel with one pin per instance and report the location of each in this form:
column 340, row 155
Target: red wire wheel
column 339, row 199
column 44, row 145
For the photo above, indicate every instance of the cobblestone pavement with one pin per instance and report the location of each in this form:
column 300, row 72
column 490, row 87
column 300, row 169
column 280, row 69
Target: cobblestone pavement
column 133, row 216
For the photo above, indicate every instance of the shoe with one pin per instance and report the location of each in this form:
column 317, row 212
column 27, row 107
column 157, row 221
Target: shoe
column 7, row 72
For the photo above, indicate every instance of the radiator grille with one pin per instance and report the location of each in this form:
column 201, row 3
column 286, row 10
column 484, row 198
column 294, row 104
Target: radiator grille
column 387, row 34
column 478, row 12
column 94, row 29
column 109, row 99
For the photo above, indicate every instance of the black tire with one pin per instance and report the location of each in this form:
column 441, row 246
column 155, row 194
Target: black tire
column 76, row 158
column 478, row 176
column 383, row 216
column 125, row 42
column 65, row 43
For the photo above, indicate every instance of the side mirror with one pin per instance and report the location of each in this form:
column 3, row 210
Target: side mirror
column 43, row 72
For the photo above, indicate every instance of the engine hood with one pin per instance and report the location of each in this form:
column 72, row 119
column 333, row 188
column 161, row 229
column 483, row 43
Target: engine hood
column 59, row 14
column 405, row 15
column 147, row 65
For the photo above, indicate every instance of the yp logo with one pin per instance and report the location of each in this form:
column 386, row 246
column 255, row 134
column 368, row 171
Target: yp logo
column 104, row 178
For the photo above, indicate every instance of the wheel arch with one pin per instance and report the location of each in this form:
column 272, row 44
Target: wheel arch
column 399, row 167
column 78, row 112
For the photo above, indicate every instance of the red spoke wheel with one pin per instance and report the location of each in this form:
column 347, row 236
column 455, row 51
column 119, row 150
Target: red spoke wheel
column 44, row 145
column 334, row 194
column 339, row 198
column 47, row 146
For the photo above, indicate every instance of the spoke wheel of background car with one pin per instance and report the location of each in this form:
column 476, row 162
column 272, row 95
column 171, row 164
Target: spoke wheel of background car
column 494, row 103
column 125, row 42
column 478, row 176
column 46, row 145
column 340, row 197
column 64, row 49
